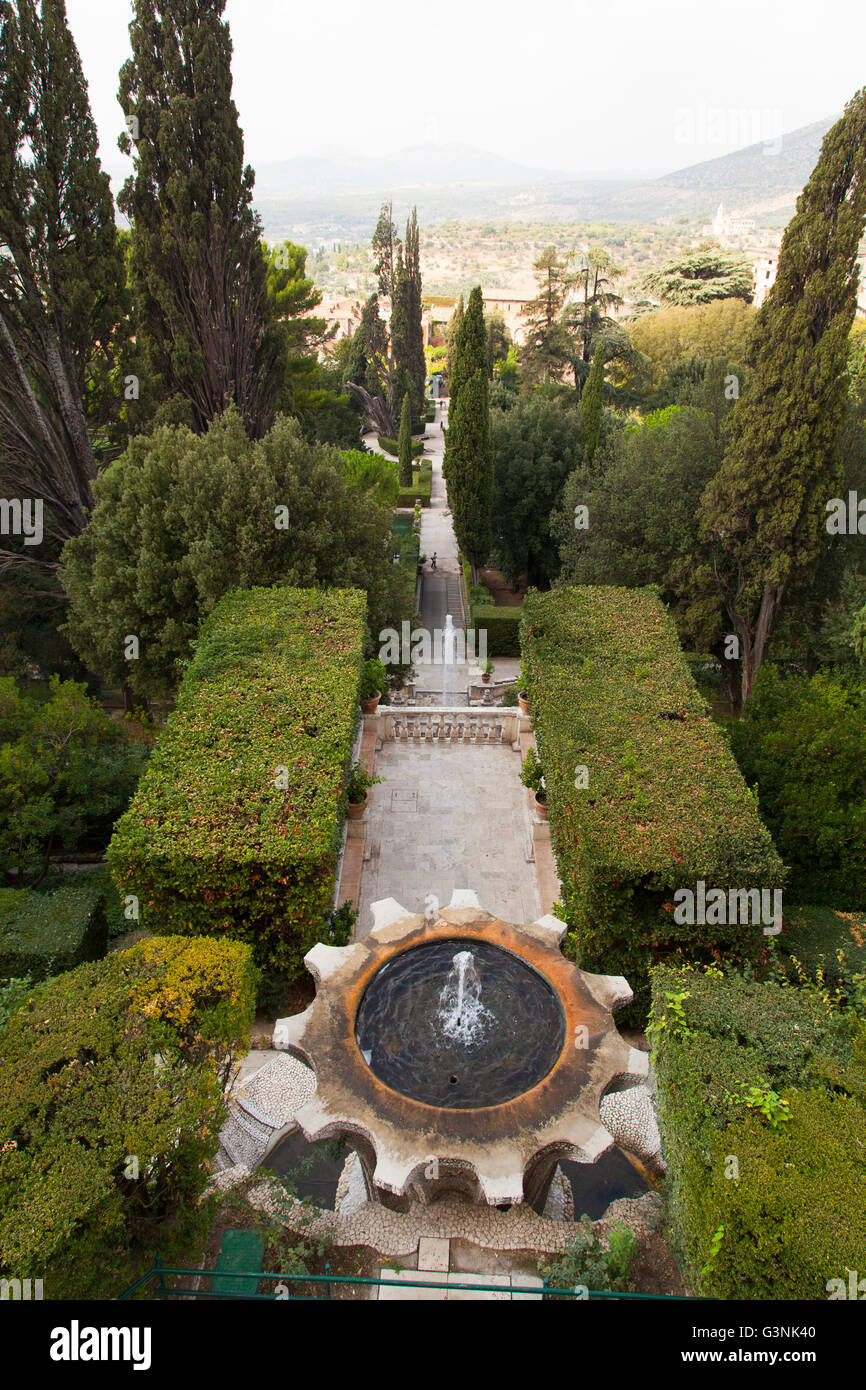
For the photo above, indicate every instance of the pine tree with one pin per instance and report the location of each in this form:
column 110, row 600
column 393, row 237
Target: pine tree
column 470, row 470
column 587, row 315
column 701, row 275
column 547, row 347
column 591, row 404
column 404, row 443
column 765, row 513
column 198, row 266
column 63, row 302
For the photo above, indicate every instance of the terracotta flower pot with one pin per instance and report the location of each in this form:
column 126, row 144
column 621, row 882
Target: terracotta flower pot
column 486, row 678
column 370, row 706
column 523, row 702
column 541, row 806
column 357, row 808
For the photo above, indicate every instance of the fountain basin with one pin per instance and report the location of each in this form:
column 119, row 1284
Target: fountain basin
column 501, row 1152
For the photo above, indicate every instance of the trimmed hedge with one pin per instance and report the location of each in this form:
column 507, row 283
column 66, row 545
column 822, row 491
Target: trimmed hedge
column 390, row 446
column 502, row 626
column 111, row 1102
column 219, row 839
column 792, row 1211
column 42, row 934
column 422, row 484
column 665, row 805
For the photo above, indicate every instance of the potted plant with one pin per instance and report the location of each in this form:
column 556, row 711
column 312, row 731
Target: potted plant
column 358, row 784
column 374, row 678
column 522, row 696
column 487, row 671
column 532, row 776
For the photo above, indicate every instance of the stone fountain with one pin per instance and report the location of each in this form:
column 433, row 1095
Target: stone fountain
column 458, row 1052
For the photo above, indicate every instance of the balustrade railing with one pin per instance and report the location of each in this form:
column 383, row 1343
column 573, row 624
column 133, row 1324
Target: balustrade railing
column 454, row 726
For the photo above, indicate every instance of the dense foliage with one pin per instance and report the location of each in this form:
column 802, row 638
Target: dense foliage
column 235, row 827
column 662, row 804
column 761, row 1110
column 802, row 743
column 110, row 1108
column 42, row 934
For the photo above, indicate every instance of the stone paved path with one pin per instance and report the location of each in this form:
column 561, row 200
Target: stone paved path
column 448, row 818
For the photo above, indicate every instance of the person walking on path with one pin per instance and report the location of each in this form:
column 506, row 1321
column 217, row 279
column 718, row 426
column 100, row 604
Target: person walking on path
column 433, row 561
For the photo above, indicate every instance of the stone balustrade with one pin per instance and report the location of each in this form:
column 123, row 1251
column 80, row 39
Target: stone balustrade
column 451, row 726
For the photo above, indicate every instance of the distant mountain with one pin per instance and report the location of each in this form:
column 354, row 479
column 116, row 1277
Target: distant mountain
column 325, row 198
column 419, row 166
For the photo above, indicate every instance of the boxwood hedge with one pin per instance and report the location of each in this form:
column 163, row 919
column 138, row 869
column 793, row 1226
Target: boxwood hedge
column 664, row 804
column 235, row 826
column 761, row 1208
column 42, row 934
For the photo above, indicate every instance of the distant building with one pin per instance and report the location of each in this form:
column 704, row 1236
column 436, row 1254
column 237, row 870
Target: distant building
column 766, row 266
column 731, row 224
column 509, row 306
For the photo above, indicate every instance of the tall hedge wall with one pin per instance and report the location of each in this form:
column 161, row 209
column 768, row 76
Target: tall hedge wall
column 664, row 806
column 218, row 839
column 760, row 1207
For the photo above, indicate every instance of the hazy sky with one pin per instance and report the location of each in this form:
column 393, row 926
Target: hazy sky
column 612, row 85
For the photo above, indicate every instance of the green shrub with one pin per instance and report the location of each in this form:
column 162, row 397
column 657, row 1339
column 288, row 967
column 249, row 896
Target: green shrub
column 42, row 934
column 390, row 446
column 502, row 626
column 587, row 1263
column 665, row 805
column 235, row 827
column 422, row 483
column 762, row 1133
column 111, row 1103
column 802, row 741
column 66, row 773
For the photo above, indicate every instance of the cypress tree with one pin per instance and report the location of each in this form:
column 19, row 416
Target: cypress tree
column 591, row 404
column 63, row 302
column 470, row 470
column 407, row 334
column 471, row 346
column 386, row 249
column 404, row 443
column 452, row 332
column 765, row 512
column 198, row 267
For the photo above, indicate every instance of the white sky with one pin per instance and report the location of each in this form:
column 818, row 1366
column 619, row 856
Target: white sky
column 617, row 86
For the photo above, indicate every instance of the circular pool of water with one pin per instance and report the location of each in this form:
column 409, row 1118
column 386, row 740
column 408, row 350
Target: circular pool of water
column 460, row 1037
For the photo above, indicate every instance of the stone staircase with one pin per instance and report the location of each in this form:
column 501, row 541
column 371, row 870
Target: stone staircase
column 245, row 1136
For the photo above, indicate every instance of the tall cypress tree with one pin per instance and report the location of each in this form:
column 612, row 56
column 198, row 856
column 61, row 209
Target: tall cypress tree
column 404, row 443
column 470, row 470
column 764, row 513
column 452, row 333
column 407, row 334
column 470, row 351
column 63, row 302
column 386, row 249
column 198, row 266
column 591, row 404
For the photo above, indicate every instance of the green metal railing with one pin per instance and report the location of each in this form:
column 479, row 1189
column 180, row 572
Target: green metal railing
column 160, row 1289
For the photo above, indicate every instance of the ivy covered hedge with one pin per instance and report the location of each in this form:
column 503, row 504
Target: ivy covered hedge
column 502, row 626
column 111, row 1102
column 761, row 1097
column 235, row 827
column 664, row 804
column 42, row 934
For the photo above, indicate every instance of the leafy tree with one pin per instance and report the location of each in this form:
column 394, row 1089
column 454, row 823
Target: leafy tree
column 470, row 466
column 703, row 274
column 802, row 742
column 591, row 404
column 198, row 267
column 404, row 443
column 63, row 304
column 677, row 333
column 66, row 771
column 765, row 512
column 373, row 475
column 536, row 446
column 181, row 519
column 498, row 343
column 386, row 250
